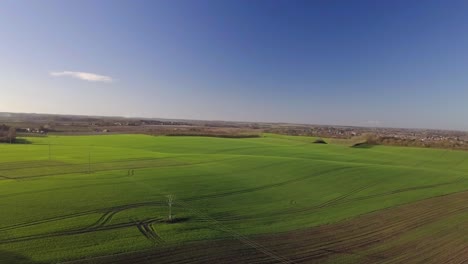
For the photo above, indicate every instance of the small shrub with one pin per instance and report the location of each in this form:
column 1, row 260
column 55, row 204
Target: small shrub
column 320, row 141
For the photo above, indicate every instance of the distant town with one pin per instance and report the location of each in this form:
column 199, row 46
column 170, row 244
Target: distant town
column 44, row 124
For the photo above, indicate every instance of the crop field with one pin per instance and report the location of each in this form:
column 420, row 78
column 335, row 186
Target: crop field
column 271, row 199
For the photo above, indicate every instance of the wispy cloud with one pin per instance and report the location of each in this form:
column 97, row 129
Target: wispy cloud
column 86, row 76
column 374, row 123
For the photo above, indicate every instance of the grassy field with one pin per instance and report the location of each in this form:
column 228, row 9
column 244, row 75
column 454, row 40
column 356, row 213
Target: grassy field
column 65, row 198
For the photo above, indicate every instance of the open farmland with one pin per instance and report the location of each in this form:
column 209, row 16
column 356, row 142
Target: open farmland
column 102, row 199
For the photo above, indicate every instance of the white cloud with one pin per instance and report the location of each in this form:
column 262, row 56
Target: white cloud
column 86, row 76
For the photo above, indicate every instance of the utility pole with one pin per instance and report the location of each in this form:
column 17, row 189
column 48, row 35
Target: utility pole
column 170, row 200
column 89, row 160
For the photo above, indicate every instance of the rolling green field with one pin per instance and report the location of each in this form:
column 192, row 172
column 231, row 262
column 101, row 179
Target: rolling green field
column 64, row 198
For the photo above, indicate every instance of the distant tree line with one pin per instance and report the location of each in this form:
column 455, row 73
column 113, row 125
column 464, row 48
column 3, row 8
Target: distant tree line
column 7, row 134
column 223, row 132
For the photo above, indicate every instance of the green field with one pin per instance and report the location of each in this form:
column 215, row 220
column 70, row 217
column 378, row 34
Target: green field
column 65, row 198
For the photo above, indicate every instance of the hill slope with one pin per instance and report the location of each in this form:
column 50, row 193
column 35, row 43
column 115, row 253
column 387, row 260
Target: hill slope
column 66, row 198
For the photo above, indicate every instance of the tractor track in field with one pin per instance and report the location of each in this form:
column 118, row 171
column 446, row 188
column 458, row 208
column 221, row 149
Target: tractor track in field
column 238, row 236
column 111, row 211
column 59, row 164
column 6, row 178
column 422, row 252
column 328, row 203
column 83, row 167
column 364, row 237
column 102, row 224
column 339, row 200
column 354, row 237
column 146, row 229
column 108, row 213
column 37, row 164
column 47, row 220
column 415, row 188
column 342, row 199
column 65, row 233
column 103, row 220
column 265, row 187
column 336, row 200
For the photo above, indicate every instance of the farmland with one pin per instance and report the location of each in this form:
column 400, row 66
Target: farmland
column 275, row 198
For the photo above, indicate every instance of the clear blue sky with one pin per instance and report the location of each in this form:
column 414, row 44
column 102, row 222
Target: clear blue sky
column 385, row 63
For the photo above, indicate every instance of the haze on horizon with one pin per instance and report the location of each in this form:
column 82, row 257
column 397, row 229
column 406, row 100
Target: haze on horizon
column 361, row 63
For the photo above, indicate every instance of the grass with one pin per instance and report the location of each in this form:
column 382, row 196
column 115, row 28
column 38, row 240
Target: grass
column 52, row 209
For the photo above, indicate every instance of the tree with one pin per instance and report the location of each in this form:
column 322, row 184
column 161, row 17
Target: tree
column 11, row 134
column 372, row 139
column 7, row 134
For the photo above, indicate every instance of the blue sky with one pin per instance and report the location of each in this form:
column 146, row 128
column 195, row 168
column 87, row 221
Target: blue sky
column 363, row 63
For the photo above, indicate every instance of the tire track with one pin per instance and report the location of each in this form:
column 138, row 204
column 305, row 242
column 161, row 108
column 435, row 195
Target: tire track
column 6, row 178
column 32, row 164
column 64, row 233
column 83, row 168
column 107, row 211
column 344, row 196
column 245, row 240
column 103, row 220
column 319, row 243
column 328, row 203
column 112, row 166
column 342, row 200
column 265, row 187
column 146, row 229
column 416, row 188
column 149, row 231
